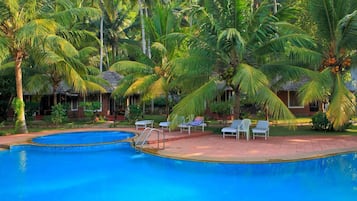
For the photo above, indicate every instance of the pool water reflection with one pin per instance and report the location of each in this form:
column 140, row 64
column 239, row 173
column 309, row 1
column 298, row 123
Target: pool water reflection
column 122, row 173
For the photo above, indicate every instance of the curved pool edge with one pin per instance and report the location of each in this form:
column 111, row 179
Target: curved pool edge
column 213, row 148
column 262, row 160
column 176, row 152
column 6, row 142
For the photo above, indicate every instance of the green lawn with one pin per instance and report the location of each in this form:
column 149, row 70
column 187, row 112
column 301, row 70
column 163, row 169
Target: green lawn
column 278, row 128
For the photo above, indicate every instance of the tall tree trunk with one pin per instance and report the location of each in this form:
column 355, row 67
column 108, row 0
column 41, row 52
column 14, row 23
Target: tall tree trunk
column 143, row 39
column 149, row 41
column 20, row 119
column 275, row 6
column 236, row 108
column 101, row 44
column 54, row 94
column 101, row 38
column 167, row 106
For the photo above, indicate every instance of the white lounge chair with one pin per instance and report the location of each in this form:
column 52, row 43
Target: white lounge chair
column 144, row 124
column 165, row 125
column 261, row 129
column 175, row 120
column 244, row 128
column 232, row 130
column 197, row 122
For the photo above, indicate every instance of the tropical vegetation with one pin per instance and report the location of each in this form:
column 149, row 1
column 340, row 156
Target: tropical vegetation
column 186, row 52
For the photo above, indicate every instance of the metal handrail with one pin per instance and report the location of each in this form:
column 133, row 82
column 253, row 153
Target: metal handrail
column 144, row 136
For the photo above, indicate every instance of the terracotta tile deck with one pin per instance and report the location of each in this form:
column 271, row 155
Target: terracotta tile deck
column 212, row 147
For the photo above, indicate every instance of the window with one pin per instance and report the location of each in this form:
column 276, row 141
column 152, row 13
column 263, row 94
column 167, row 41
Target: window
column 72, row 99
column 293, row 101
column 74, row 103
column 91, row 100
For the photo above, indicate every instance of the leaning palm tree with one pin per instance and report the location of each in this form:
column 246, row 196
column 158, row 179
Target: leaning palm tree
column 336, row 30
column 25, row 25
column 234, row 44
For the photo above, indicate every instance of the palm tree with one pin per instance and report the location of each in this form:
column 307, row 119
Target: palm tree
column 118, row 21
column 336, row 30
column 151, row 77
column 236, row 42
column 26, row 25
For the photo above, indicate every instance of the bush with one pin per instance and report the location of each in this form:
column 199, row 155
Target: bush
column 58, row 114
column 320, row 122
column 134, row 113
column 221, row 108
column 91, row 109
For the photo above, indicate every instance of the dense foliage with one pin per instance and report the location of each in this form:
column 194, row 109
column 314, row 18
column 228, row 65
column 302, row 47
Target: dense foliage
column 183, row 52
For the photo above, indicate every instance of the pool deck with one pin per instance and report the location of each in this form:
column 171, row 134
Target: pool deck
column 205, row 146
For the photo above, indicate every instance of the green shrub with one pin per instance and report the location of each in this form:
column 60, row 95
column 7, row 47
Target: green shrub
column 90, row 109
column 134, row 113
column 320, row 122
column 58, row 114
column 221, row 108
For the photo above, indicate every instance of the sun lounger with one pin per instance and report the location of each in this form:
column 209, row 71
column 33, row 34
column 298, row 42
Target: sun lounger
column 197, row 122
column 165, row 125
column 261, row 130
column 144, row 124
column 232, row 130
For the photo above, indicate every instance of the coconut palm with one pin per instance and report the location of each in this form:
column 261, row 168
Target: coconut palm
column 336, row 30
column 26, row 25
column 151, row 77
column 234, row 44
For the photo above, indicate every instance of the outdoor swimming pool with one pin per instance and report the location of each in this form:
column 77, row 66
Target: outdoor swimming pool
column 122, row 173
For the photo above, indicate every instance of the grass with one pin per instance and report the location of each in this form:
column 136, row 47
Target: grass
column 307, row 130
column 278, row 128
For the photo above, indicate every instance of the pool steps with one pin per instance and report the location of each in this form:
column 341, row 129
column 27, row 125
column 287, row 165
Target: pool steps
column 144, row 136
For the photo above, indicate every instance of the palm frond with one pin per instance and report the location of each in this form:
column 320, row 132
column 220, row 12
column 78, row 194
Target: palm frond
column 123, row 86
column 92, row 70
column 156, row 89
column 195, row 102
column 129, row 67
column 283, row 72
column 160, row 48
column 347, row 31
column 4, row 50
column 249, row 79
column 9, row 8
column 317, row 89
column 305, row 57
column 96, row 79
column 141, row 85
column 49, row 58
column 322, row 13
column 6, row 66
column 31, row 31
column 278, row 44
column 73, row 78
column 94, row 87
column 229, row 39
column 78, row 37
column 71, row 15
column 342, row 105
column 273, row 104
column 61, row 46
column 38, row 84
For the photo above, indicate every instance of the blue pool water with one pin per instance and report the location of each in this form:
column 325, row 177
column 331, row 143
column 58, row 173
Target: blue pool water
column 89, row 137
column 124, row 174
